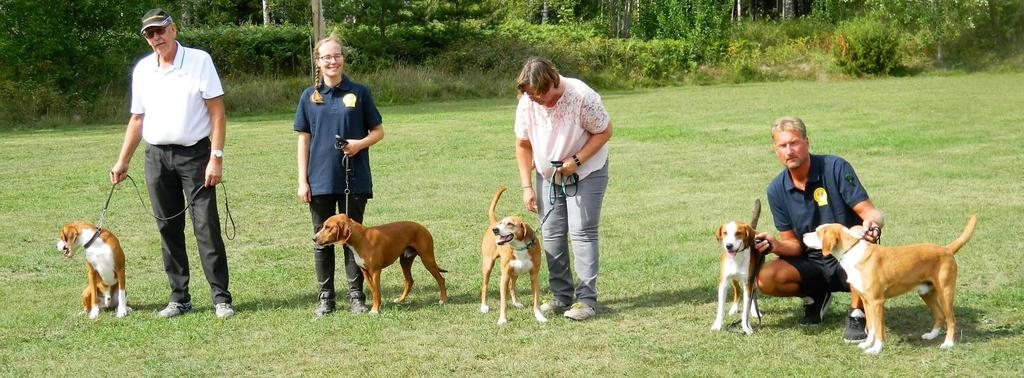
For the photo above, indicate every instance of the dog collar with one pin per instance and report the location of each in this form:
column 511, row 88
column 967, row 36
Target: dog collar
column 529, row 245
column 93, row 238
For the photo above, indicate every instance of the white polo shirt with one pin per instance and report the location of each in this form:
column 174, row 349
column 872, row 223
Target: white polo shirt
column 174, row 100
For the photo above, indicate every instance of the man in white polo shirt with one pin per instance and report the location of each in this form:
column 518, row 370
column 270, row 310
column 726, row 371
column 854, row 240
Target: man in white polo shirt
column 178, row 108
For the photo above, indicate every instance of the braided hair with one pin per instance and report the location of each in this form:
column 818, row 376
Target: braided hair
column 316, row 98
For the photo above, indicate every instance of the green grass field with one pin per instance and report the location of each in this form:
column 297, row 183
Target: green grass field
column 930, row 150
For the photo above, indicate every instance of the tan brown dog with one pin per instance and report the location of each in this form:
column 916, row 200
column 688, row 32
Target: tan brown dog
column 104, row 267
column 878, row 273
column 374, row 248
column 515, row 242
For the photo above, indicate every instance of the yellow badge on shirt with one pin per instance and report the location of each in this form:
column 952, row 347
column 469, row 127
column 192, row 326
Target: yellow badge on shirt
column 821, row 197
column 349, row 100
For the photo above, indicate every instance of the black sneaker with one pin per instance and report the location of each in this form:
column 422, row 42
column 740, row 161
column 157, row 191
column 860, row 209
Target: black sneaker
column 816, row 310
column 356, row 306
column 855, row 329
column 325, row 306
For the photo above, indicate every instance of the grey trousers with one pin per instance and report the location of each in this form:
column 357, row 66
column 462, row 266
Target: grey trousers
column 578, row 217
column 172, row 174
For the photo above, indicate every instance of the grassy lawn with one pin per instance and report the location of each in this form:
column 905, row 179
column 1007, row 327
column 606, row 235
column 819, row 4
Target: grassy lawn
column 930, row 150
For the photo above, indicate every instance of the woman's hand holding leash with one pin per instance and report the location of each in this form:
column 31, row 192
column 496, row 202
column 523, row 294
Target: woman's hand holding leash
column 569, row 166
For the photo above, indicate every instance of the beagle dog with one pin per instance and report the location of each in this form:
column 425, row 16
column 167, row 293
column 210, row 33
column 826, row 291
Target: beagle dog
column 104, row 267
column 879, row 273
column 516, row 244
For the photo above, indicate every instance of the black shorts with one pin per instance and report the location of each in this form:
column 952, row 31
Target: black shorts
column 818, row 274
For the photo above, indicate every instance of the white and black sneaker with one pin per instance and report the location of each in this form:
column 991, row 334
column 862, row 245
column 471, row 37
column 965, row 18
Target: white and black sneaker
column 174, row 309
column 856, row 325
column 816, row 309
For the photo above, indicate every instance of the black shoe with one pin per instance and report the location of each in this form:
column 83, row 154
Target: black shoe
column 356, row 305
column 325, row 306
column 815, row 311
column 855, row 329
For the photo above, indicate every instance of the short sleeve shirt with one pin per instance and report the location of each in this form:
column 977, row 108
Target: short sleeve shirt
column 174, row 100
column 831, row 192
column 348, row 111
column 559, row 132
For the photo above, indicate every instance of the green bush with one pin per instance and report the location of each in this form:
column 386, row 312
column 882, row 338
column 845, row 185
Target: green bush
column 866, row 46
column 253, row 50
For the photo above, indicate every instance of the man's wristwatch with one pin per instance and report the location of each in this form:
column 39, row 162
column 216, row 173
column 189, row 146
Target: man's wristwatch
column 217, row 153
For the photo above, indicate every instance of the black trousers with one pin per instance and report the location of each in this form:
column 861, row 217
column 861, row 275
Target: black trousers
column 321, row 208
column 172, row 175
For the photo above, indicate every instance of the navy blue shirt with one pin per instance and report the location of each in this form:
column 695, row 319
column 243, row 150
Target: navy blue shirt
column 831, row 192
column 348, row 110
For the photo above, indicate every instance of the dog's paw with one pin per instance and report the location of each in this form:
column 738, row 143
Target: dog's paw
column 398, row 300
column 517, row 304
column 122, row 311
column 94, row 313
column 484, row 309
column 931, row 335
column 946, row 345
column 874, row 349
column 866, row 344
column 733, row 309
column 540, row 317
column 748, row 330
column 441, row 302
column 502, row 321
column 717, row 326
column 374, row 312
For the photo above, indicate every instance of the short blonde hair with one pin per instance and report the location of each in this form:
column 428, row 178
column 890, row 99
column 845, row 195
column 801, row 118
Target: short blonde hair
column 789, row 123
column 539, row 74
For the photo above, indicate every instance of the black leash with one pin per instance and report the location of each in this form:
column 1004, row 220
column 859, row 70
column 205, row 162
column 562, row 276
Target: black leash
column 339, row 144
column 191, row 199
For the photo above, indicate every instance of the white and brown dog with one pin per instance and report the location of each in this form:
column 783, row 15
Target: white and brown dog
column 878, row 273
column 375, row 248
column 739, row 263
column 516, row 244
column 104, row 267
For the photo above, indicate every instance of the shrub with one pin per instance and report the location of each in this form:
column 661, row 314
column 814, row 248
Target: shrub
column 866, row 46
column 253, row 50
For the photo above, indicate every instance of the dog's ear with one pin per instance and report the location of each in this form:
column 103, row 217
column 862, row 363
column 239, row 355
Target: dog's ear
column 344, row 232
column 68, row 235
column 718, row 233
column 748, row 235
column 527, row 233
column 829, row 238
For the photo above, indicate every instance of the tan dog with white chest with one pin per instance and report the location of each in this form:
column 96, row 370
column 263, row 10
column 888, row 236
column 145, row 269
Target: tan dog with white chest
column 516, row 244
column 104, row 267
column 878, row 273
column 738, row 265
column 375, row 248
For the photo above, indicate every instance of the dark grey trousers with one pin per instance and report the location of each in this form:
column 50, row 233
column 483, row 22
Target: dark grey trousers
column 172, row 175
column 573, row 220
column 321, row 208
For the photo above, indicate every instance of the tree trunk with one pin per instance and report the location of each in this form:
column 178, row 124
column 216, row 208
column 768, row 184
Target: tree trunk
column 627, row 18
column 544, row 14
column 788, row 9
column 266, row 13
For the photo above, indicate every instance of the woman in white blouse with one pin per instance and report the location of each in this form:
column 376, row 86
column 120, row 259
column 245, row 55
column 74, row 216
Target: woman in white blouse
column 562, row 130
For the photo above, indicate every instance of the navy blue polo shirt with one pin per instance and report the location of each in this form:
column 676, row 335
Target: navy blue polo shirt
column 348, row 110
column 831, row 192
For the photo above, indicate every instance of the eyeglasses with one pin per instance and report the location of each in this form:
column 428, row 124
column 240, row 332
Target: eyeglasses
column 332, row 58
column 149, row 33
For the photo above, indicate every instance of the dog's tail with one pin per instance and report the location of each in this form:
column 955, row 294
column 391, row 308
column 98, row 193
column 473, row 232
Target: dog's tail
column 494, row 203
column 964, row 236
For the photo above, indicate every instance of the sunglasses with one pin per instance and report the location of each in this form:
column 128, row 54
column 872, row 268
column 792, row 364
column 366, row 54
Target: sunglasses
column 149, row 33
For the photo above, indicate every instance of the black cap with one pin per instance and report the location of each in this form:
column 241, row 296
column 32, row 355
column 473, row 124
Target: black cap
column 155, row 17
